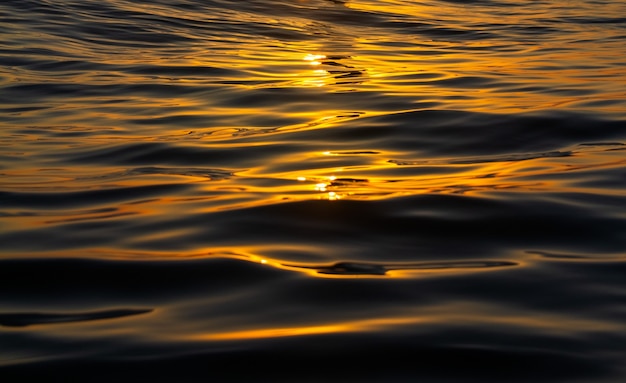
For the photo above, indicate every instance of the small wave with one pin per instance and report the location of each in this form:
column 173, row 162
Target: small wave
column 573, row 256
column 358, row 268
column 487, row 159
column 59, row 200
column 34, row 318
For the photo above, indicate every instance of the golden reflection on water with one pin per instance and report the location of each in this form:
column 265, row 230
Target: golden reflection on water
column 336, row 62
column 472, row 313
column 345, row 327
column 367, row 182
column 372, row 181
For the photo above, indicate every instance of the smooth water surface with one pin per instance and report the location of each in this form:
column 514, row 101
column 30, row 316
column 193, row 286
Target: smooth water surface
column 313, row 190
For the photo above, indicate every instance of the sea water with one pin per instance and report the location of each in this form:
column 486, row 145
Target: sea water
column 313, row 190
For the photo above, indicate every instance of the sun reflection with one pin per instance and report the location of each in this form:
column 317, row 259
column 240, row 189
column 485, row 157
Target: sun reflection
column 332, row 196
column 333, row 69
column 323, row 185
column 314, row 59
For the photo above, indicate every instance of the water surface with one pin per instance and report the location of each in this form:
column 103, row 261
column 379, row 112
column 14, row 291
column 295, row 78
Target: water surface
column 313, row 190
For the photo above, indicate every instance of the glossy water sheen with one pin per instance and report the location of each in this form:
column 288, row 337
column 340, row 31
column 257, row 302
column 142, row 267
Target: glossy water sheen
column 313, row 190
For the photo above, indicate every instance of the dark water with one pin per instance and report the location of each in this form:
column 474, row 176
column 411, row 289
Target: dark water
column 313, row 191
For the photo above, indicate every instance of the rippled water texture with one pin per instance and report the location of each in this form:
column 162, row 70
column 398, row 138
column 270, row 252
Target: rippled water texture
column 313, row 190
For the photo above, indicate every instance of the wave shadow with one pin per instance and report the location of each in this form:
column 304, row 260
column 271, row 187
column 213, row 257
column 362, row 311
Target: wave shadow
column 35, row 318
